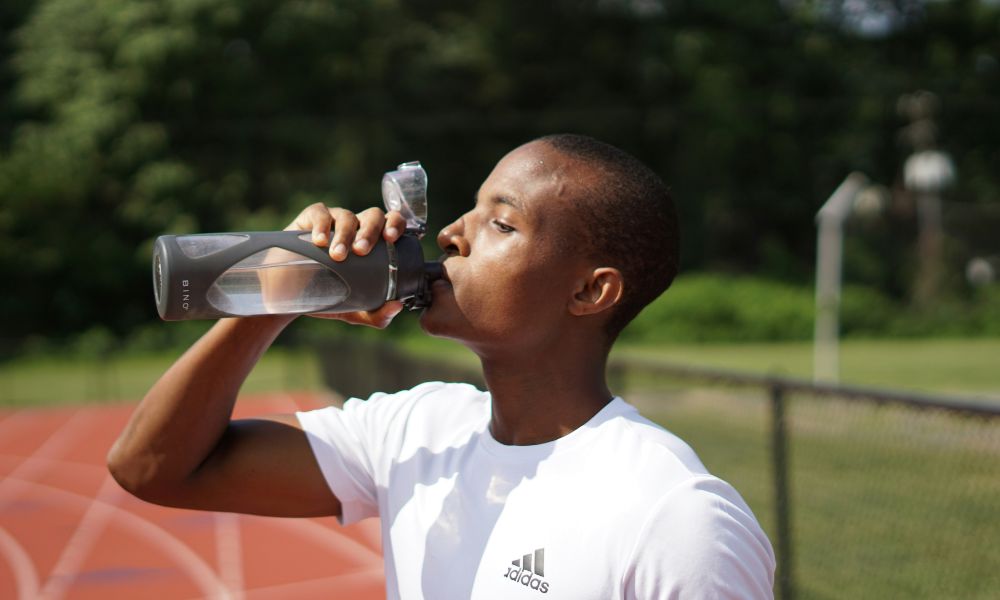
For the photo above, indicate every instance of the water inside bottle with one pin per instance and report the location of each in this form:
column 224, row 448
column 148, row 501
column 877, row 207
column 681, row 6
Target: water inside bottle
column 277, row 281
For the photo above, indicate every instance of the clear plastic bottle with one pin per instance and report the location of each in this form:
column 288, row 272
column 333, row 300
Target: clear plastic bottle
column 206, row 276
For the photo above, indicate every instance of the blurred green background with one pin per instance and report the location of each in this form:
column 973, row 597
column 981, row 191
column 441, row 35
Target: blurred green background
column 125, row 119
column 121, row 120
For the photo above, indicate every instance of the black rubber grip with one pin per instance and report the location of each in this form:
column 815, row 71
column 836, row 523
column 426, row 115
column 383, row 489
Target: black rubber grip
column 181, row 282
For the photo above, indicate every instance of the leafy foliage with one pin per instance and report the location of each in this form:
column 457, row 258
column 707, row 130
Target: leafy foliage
column 125, row 119
column 703, row 308
column 720, row 308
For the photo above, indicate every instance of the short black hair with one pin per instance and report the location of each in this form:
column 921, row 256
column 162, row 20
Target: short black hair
column 630, row 221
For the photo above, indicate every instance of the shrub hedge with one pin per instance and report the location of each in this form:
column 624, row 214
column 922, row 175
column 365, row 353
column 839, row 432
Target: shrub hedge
column 700, row 307
column 704, row 307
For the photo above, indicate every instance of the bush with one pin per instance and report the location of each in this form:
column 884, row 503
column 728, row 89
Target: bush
column 866, row 312
column 987, row 310
column 704, row 307
column 978, row 315
column 712, row 308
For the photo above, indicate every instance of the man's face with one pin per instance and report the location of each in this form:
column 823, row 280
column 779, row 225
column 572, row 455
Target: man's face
column 514, row 257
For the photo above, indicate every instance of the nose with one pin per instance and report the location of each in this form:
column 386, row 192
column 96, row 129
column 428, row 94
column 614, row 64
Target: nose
column 452, row 239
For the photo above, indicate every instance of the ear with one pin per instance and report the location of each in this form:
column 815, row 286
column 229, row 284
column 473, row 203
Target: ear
column 597, row 291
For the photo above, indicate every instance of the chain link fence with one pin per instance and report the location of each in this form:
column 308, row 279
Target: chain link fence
column 864, row 493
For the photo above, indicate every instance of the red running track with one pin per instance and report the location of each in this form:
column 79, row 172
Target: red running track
column 68, row 531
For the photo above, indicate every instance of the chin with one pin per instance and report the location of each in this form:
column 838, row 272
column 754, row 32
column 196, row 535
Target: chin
column 431, row 322
column 428, row 318
column 436, row 322
column 439, row 317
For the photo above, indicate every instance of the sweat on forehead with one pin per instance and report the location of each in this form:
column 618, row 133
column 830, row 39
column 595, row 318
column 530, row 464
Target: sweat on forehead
column 537, row 158
column 569, row 175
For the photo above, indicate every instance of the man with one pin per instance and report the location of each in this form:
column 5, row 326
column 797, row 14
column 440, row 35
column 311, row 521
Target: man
column 547, row 485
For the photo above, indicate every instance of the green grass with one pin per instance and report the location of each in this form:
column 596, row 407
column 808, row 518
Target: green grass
column 886, row 502
column 948, row 366
column 966, row 366
column 953, row 366
column 51, row 380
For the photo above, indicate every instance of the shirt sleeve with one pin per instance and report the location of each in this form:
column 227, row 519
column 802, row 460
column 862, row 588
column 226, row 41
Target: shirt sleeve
column 701, row 541
column 351, row 445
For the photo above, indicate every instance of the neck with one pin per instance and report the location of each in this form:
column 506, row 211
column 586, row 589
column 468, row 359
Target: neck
column 540, row 397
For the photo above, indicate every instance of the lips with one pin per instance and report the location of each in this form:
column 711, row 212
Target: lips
column 444, row 270
column 444, row 283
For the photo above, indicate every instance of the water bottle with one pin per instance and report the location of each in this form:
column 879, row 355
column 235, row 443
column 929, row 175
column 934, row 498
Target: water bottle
column 213, row 275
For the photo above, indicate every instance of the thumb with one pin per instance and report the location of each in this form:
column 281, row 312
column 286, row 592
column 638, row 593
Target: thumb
column 378, row 318
column 384, row 315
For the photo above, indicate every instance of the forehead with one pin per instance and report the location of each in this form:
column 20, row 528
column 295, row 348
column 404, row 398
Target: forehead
column 537, row 178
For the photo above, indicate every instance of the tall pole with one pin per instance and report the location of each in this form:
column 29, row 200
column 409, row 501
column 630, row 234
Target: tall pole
column 829, row 253
column 782, row 499
column 926, row 173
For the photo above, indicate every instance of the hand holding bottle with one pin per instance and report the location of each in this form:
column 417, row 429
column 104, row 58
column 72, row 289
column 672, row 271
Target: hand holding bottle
column 361, row 268
column 341, row 231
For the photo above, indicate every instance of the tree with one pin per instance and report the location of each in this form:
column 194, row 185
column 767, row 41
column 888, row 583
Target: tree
column 132, row 118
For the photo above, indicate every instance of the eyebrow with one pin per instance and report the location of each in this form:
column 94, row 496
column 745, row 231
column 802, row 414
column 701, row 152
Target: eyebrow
column 512, row 202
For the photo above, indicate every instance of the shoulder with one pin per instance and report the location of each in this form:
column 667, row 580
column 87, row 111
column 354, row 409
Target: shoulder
column 429, row 396
column 426, row 411
column 694, row 534
column 434, row 399
column 701, row 540
column 648, row 451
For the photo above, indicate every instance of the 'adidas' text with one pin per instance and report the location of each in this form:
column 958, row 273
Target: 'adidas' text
column 523, row 573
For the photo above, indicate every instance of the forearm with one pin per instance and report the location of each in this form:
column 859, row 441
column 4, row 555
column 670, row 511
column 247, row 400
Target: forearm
column 180, row 447
column 184, row 415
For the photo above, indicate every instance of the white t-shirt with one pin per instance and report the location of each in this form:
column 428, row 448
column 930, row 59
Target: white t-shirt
column 619, row 508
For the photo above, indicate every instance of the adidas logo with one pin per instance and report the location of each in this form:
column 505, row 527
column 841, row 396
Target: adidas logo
column 529, row 571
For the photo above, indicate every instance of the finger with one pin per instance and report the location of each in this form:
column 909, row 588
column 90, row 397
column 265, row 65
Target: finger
column 315, row 218
column 385, row 314
column 371, row 223
column 345, row 225
column 379, row 318
column 395, row 225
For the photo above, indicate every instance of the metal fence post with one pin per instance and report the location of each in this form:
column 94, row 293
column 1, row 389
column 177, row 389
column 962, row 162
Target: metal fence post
column 782, row 504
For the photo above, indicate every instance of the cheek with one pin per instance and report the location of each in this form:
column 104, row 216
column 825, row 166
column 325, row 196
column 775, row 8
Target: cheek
column 503, row 296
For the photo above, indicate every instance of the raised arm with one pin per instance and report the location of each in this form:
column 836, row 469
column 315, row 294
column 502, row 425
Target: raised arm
column 181, row 448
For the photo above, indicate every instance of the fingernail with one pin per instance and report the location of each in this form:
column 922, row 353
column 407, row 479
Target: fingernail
column 319, row 238
column 340, row 250
column 391, row 231
column 362, row 245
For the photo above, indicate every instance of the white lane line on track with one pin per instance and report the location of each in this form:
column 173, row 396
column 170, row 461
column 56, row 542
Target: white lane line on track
column 340, row 545
column 25, row 575
column 41, row 462
column 199, row 571
column 326, row 586
column 89, row 529
column 229, row 552
column 331, row 539
column 28, row 470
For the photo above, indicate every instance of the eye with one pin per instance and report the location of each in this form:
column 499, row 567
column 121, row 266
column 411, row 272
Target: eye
column 503, row 227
